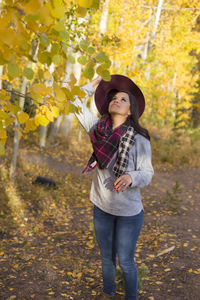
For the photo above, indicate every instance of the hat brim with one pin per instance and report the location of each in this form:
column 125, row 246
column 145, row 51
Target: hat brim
column 117, row 82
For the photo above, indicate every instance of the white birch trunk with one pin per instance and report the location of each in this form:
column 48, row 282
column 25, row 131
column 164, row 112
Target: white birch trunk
column 44, row 129
column 16, row 134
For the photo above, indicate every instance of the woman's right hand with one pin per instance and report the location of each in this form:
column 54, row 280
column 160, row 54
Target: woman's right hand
column 96, row 81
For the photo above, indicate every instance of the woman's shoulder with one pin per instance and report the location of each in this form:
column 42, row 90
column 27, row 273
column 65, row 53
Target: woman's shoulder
column 140, row 138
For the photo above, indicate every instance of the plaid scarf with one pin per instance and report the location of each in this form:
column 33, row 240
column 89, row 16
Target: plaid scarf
column 106, row 142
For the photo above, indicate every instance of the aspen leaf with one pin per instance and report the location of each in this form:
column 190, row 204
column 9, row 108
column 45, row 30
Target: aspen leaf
column 44, row 57
column 85, row 3
column 89, row 72
column 3, row 134
column 30, row 125
column 50, row 115
column 82, row 60
column 106, row 75
column 13, row 70
column 77, row 91
column 28, row 73
column 68, row 94
column 55, row 111
column 22, row 117
column 95, row 4
column 81, row 11
column 72, row 80
column 47, row 75
column 55, row 48
column 99, row 70
column 101, row 57
column 71, row 59
column 59, row 93
column 45, row 16
column 83, row 44
column 3, row 115
column 42, row 120
column 44, row 39
column 57, row 59
column 59, row 27
column 90, row 50
column 58, row 12
column 32, row 7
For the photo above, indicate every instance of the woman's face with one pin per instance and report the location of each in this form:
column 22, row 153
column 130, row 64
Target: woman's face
column 120, row 104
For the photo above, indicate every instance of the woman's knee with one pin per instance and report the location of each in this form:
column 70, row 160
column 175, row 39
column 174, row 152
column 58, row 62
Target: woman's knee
column 127, row 265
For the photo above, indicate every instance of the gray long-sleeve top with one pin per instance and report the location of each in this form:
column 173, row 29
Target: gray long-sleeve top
column 102, row 193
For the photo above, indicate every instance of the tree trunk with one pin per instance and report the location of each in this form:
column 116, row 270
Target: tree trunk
column 16, row 134
column 44, row 129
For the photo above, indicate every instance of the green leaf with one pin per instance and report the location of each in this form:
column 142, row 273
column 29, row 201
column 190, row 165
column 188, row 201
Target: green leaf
column 57, row 59
column 91, row 50
column 106, row 75
column 89, row 72
column 95, row 4
column 99, row 70
column 44, row 57
column 13, row 70
column 55, row 48
column 28, row 73
column 101, row 57
column 84, row 44
column 71, row 59
column 44, row 39
column 82, row 60
column 107, row 64
column 64, row 35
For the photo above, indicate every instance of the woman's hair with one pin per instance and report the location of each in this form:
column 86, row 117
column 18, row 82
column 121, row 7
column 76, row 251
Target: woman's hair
column 134, row 117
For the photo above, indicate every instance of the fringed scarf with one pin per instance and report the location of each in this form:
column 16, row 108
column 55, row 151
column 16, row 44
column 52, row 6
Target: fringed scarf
column 106, row 142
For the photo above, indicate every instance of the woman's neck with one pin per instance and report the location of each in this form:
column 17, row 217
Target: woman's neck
column 117, row 121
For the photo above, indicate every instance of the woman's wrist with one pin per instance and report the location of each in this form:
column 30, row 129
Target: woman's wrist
column 96, row 81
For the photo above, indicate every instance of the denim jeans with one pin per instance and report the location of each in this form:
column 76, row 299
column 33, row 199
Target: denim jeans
column 118, row 235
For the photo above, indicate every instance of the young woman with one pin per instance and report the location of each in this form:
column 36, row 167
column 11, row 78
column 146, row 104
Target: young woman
column 122, row 165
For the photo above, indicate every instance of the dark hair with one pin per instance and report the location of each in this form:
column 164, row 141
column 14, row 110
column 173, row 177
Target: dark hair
column 134, row 117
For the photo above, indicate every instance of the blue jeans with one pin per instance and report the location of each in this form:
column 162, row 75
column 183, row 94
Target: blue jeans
column 118, row 235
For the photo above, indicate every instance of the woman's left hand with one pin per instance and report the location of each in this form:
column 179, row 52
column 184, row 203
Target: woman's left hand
column 122, row 182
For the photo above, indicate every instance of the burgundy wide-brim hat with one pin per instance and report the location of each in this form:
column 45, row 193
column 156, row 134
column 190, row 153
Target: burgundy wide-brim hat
column 117, row 82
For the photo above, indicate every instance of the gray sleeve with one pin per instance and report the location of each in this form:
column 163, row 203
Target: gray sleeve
column 144, row 171
column 85, row 117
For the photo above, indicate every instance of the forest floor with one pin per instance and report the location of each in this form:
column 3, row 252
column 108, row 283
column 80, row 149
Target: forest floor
column 49, row 250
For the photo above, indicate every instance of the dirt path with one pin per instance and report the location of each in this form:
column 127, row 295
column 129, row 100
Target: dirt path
column 62, row 260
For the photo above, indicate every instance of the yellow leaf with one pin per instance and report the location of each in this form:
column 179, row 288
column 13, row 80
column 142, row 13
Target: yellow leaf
column 47, row 75
column 85, row 3
column 41, row 120
column 50, row 115
column 30, row 125
column 59, row 93
column 45, row 16
column 190, row 270
column 55, row 111
column 32, row 7
column 3, row 134
column 159, row 282
column 22, row 117
column 94, row 293
column 57, row 12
